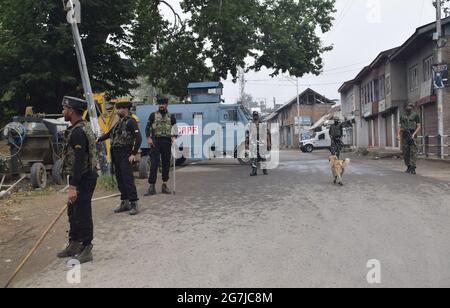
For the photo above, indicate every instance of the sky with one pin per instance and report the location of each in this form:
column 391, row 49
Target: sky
column 362, row 29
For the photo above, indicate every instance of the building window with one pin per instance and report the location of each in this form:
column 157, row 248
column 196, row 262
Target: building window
column 413, row 78
column 382, row 87
column 376, row 89
column 178, row 116
column 428, row 68
column 388, row 85
column 231, row 116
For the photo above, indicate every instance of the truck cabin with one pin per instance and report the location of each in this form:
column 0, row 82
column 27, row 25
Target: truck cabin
column 205, row 92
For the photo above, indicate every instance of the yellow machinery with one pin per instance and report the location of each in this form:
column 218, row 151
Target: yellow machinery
column 107, row 115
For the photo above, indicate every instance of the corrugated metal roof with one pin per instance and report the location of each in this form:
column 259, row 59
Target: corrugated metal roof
column 205, row 85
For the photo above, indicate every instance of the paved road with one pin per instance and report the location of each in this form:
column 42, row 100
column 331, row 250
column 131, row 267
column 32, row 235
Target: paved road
column 290, row 229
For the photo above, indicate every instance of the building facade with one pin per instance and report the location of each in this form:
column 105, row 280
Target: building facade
column 375, row 99
column 312, row 107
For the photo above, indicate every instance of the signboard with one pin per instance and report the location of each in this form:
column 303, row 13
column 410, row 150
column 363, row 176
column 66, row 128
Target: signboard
column 440, row 76
column 187, row 130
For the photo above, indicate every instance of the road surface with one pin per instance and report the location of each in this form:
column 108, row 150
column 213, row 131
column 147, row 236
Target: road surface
column 293, row 228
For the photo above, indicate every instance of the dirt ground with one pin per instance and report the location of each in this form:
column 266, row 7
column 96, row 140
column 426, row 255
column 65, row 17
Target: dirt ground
column 23, row 218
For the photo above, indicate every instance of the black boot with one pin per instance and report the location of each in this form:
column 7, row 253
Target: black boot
column 254, row 171
column 151, row 191
column 265, row 172
column 134, row 208
column 85, row 256
column 165, row 190
column 408, row 170
column 71, row 250
column 123, row 207
column 413, row 171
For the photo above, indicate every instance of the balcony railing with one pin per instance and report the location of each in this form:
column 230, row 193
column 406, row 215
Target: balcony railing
column 434, row 146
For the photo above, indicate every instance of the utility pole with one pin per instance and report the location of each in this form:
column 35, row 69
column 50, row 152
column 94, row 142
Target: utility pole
column 298, row 109
column 440, row 92
column 242, row 83
column 298, row 105
column 72, row 20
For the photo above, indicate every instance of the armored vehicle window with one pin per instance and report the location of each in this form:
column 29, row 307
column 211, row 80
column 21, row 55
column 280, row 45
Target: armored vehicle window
column 231, row 116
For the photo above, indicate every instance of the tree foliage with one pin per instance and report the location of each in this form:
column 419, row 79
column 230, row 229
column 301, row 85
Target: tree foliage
column 37, row 58
column 39, row 66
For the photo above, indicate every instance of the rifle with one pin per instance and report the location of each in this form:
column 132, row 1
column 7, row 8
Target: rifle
column 408, row 137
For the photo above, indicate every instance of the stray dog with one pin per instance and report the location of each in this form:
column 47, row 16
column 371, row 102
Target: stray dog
column 338, row 168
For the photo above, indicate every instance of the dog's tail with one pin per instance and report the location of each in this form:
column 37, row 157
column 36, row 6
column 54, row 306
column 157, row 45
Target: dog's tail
column 346, row 163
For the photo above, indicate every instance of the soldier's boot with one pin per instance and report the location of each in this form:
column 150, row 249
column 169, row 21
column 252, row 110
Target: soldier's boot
column 165, row 190
column 85, row 255
column 408, row 170
column 254, row 171
column 151, row 191
column 413, row 171
column 265, row 172
column 71, row 250
column 134, row 208
column 123, row 207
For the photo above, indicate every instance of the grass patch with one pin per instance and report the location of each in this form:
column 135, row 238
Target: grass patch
column 107, row 182
column 362, row 152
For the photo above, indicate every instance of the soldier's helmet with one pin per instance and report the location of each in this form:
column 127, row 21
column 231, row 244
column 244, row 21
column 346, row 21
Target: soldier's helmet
column 74, row 103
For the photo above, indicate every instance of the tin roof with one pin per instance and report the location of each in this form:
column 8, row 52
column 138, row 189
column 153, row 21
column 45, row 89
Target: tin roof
column 205, row 85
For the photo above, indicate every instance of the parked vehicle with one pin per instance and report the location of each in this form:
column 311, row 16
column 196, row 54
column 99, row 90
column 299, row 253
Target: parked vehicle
column 194, row 120
column 322, row 140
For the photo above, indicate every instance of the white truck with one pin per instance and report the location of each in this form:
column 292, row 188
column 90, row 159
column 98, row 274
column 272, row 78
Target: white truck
column 322, row 140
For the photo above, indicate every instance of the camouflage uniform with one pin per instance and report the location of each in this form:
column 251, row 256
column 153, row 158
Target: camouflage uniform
column 125, row 141
column 161, row 127
column 408, row 125
column 336, row 133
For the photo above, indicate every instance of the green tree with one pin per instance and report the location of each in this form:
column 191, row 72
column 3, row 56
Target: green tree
column 167, row 55
column 281, row 35
column 37, row 58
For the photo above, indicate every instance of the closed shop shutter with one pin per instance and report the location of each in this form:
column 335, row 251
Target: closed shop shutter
column 430, row 126
column 389, row 141
column 376, row 133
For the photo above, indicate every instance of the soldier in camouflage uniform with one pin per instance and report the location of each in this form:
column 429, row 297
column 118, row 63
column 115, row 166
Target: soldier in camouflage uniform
column 161, row 134
column 80, row 164
column 336, row 134
column 125, row 144
column 410, row 127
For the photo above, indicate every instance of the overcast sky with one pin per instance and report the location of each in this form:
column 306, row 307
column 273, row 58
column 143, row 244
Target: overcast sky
column 363, row 28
